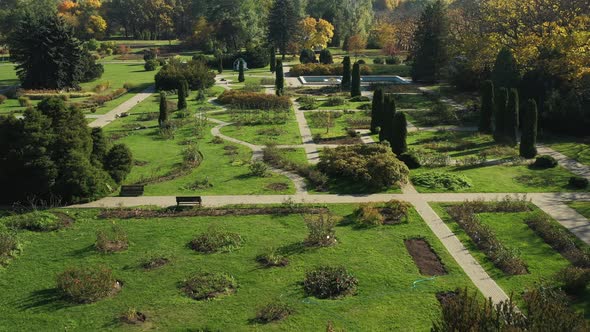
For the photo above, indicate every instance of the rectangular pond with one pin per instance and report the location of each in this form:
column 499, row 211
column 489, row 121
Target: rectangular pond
column 326, row 80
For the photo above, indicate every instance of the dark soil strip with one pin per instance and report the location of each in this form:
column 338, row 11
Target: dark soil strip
column 64, row 218
column 425, row 258
column 140, row 214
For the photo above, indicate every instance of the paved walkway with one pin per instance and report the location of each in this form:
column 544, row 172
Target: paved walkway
column 565, row 161
column 124, row 107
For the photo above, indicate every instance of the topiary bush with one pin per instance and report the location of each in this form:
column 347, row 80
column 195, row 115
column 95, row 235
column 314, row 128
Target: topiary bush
column 439, row 180
column 378, row 61
column 307, row 56
column 393, row 60
column 205, row 285
column 87, row 284
column 329, row 282
column 37, row 221
column 544, row 162
column 321, row 230
column 326, row 57
column 216, row 241
column 151, row 65
column 111, row 240
column 272, row 258
column 273, row 312
column 410, row 159
column 578, row 182
column 368, row 215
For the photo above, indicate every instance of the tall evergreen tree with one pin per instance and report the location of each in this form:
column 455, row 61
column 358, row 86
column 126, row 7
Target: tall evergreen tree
column 182, row 95
column 386, row 118
column 430, row 52
column 399, row 143
column 241, row 77
column 163, row 117
column 486, row 116
column 219, row 56
column 273, row 59
column 528, row 140
column 282, row 23
column 280, row 79
column 501, row 103
column 376, row 110
column 505, row 73
column 511, row 118
column 346, row 73
column 355, row 87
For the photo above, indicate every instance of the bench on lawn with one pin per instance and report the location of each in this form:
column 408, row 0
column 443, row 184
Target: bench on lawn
column 132, row 191
column 189, row 200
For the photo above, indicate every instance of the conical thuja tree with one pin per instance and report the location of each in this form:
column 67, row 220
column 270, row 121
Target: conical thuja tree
column 376, row 110
column 241, row 77
column 273, row 59
column 163, row 117
column 487, row 107
column 501, row 103
column 528, row 140
column 280, row 79
column 346, row 73
column 386, row 118
column 399, row 143
column 182, row 95
column 511, row 118
column 355, row 87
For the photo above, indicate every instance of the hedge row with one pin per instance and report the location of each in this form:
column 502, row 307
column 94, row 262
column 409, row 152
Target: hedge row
column 312, row 69
column 254, row 100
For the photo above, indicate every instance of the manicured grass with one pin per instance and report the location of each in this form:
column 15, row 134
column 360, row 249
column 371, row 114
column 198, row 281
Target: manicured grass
column 579, row 151
column 228, row 174
column 506, row 179
column 7, row 75
column 583, row 208
column 295, row 155
column 418, row 101
column 377, row 257
column 543, row 262
column 340, row 123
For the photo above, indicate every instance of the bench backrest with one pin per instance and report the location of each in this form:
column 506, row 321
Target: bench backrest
column 188, row 199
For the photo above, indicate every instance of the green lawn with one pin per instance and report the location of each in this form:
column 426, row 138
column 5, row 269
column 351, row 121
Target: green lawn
column 7, row 75
column 228, row 172
column 417, row 101
column 578, row 150
column 582, row 207
column 339, row 121
column 377, row 257
column 543, row 262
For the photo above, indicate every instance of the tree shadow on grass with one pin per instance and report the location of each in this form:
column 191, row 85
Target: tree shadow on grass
column 44, row 300
column 293, row 248
column 83, row 252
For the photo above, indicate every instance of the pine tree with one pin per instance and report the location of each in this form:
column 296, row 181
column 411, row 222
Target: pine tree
column 163, row 118
column 282, row 22
column 376, row 110
column 399, row 143
column 487, row 107
column 280, row 79
column 501, row 102
column 273, row 59
column 528, row 140
column 505, row 72
column 355, row 88
column 182, row 95
column 386, row 118
column 511, row 118
column 241, row 77
column 430, row 51
column 346, row 73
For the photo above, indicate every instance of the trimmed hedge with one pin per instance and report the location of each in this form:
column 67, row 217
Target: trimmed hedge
column 316, row 69
column 254, row 100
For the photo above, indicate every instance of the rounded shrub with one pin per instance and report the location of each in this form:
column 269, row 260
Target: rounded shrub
column 578, row 182
column 273, row 312
column 361, row 62
column 111, row 240
column 37, row 221
column 329, row 282
column 378, row 61
column 410, row 159
column 151, row 65
column 326, row 57
column 205, row 285
column 393, row 60
column 216, row 241
column 307, row 56
column 368, row 215
column 544, row 162
column 87, row 284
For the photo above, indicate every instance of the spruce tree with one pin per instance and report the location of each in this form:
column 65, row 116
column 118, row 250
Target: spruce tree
column 282, row 23
column 430, row 51
column 241, row 77
column 511, row 118
column 487, row 107
column 399, row 143
column 273, row 59
column 501, row 102
column 163, row 118
column 376, row 110
column 355, row 88
column 386, row 118
column 505, row 73
column 182, row 95
column 280, row 79
column 346, row 73
column 528, row 140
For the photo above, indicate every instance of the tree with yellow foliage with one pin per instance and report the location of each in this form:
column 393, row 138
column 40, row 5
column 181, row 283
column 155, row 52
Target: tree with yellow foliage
column 314, row 33
column 84, row 16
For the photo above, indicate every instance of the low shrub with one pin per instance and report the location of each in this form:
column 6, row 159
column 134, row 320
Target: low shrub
column 410, row 159
column 307, row 103
column 368, row 215
column 439, row 180
column 321, row 230
column 258, row 168
column 329, row 282
column 395, row 211
column 574, row 279
column 2, row 99
column 578, row 182
column 100, row 100
column 9, row 246
column 544, row 162
column 315, row 69
column 151, row 65
column 273, row 312
column 204, row 286
column 129, row 86
column 273, row 157
column 335, row 101
column 111, row 240
column 132, row 316
column 87, row 284
column 378, row 61
column 37, row 221
column 252, row 87
column 393, row 60
column 216, row 241
column 360, row 99
column 24, row 101
column 253, row 100
column 272, row 258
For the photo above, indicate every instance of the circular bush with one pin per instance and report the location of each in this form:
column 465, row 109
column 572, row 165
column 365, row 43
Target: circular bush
column 329, row 282
column 410, row 159
column 544, row 162
column 307, row 56
column 378, row 61
column 361, row 62
column 86, row 285
column 439, row 180
column 37, row 221
column 216, row 241
column 578, row 182
column 367, row 215
column 393, row 60
column 151, row 65
column 203, row 286
column 273, row 312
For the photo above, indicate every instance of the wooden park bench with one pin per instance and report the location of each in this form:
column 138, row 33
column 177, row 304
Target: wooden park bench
column 132, row 191
column 189, row 200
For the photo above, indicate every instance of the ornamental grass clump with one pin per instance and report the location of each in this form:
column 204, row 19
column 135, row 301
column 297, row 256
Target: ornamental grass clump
column 87, row 284
column 206, row 285
column 216, row 241
column 321, row 230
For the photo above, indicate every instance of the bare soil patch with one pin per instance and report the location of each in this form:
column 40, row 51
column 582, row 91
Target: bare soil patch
column 425, row 258
column 277, row 186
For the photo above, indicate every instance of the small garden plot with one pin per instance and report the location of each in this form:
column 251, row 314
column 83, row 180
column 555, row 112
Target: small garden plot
column 583, row 208
column 413, row 101
column 543, row 263
column 425, row 258
column 441, row 114
column 336, row 127
column 174, row 298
